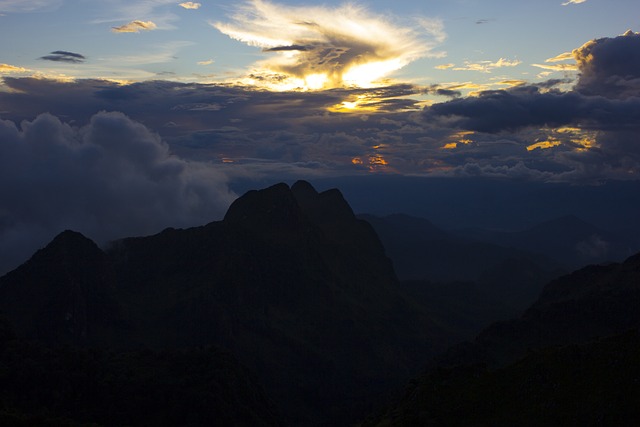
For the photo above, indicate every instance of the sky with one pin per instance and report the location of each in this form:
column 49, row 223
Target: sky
column 123, row 117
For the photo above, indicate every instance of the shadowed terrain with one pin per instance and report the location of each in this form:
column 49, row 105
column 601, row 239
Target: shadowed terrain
column 290, row 282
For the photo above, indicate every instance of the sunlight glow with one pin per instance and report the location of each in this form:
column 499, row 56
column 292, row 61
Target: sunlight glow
column 315, row 81
column 365, row 75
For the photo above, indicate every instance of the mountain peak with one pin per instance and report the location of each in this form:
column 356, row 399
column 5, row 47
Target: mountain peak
column 272, row 207
column 302, row 189
column 325, row 207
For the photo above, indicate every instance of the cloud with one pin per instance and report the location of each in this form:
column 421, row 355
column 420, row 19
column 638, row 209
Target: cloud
column 135, row 27
column 108, row 179
column 444, row 66
column 190, row 5
column 64, row 56
column 586, row 134
column 206, row 62
column 573, row 2
column 557, row 67
column 24, row 6
column 574, row 134
column 610, row 67
column 8, row 69
column 487, row 66
column 321, row 47
column 528, row 106
column 562, row 57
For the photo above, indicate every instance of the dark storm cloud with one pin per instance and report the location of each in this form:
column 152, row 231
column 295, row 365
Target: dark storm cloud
column 64, row 56
column 606, row 95
column 110, row 178
column 527, row 106
column 610, row 67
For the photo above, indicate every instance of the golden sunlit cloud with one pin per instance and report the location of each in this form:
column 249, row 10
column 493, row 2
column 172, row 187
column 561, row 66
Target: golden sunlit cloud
column 512, row 82
column 190, row 5
column 487, row 66
column 318, row 47
column 573, row 2
column 444, row 66
column 207, row 62
column 9, row 69
column 543, row 145
column 135, row 27
column 577, row 138
column 566, row 56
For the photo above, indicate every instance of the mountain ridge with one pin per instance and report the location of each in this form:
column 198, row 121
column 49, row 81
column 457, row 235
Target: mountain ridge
column 290, row 282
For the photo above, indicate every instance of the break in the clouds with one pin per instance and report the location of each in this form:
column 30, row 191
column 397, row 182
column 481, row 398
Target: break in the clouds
column 316, row 47
column 190, row 5
column 108, row 179
column 64, row 56
column 135, row 27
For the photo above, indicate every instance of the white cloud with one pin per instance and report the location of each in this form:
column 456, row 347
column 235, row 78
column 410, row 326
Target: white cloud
column 557, row 67
column 22, row 6
column 487, row 66
column 573, row 2
column 190, row 5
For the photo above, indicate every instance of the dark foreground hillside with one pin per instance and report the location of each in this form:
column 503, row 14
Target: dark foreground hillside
column 572, row 359
column 71, row 386
column 290, row 283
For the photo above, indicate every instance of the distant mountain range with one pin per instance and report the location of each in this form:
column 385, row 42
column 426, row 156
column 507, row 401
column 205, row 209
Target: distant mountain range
column 289, row 312
column 573, row 358
column 568, row 239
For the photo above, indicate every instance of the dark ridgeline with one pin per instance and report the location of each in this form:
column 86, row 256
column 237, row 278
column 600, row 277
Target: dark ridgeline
column 573, row 358
column 290, row 282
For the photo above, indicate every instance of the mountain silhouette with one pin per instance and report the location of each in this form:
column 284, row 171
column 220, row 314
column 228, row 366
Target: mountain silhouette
column 290, row 282
column 63, row 294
